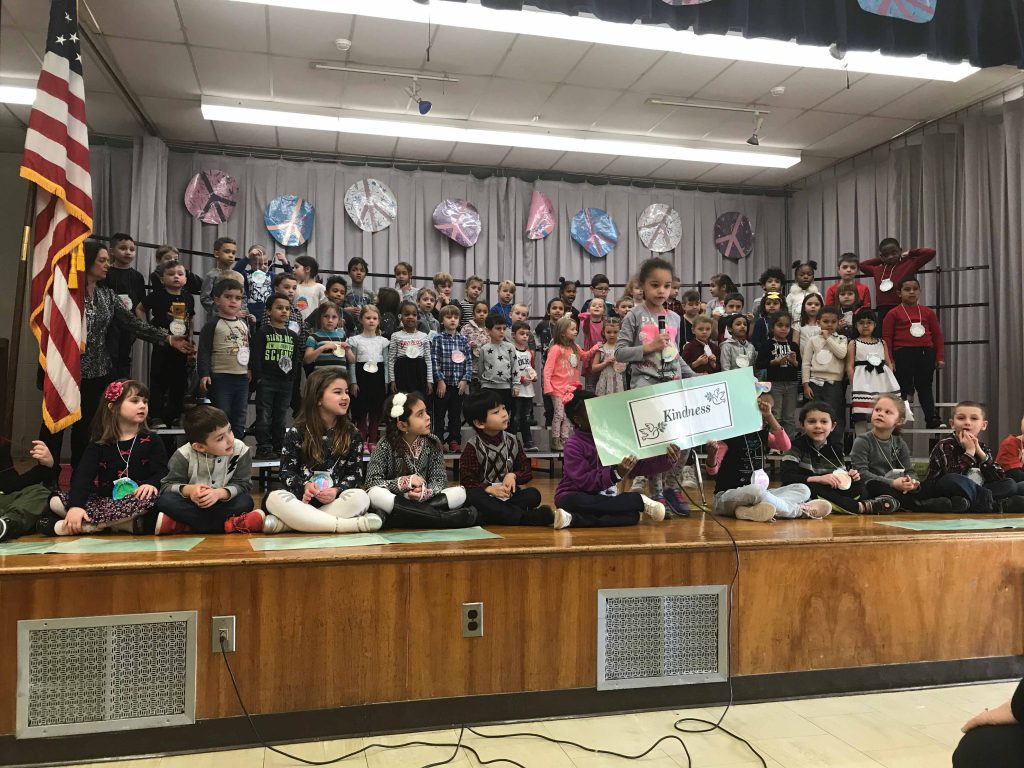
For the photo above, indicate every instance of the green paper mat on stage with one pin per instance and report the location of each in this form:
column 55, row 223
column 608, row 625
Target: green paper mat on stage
column 331, row 541
column 962, row 524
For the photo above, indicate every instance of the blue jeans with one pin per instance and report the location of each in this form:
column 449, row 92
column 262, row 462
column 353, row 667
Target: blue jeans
column 273, row 399
column 786, row 500
column 230, row 393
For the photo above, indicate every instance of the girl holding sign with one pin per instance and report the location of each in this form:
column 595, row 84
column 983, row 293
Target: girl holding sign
column 579, row 497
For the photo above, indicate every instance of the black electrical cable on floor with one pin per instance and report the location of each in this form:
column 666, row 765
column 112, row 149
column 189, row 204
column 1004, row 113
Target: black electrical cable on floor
column 459, row 745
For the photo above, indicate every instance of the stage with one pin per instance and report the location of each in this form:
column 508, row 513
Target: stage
column 372, row 635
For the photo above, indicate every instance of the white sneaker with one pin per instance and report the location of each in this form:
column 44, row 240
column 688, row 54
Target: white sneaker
column 272, row 524
column 816, row 509
column 157, row 424
column 759, row 513
column 689, row 477
column 653, row 509
column 562, row 519
column 58, row 529
column 639, row 485
column 3, row 528
column 369, row 522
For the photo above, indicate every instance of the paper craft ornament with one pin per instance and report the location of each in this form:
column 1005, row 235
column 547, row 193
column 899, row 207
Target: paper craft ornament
column 458, row 220
column 916, row 11
column 595, row 231
column 660, row 228
column 371, row 205
column 211, row 196
column 541, row 221
column 289, row 219
column 734, row 238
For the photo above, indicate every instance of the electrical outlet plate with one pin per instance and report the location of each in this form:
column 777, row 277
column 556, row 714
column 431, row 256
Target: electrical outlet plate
column 225, row 624
column 472, row 619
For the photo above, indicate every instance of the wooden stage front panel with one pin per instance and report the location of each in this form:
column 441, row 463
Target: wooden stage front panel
column 334, row 628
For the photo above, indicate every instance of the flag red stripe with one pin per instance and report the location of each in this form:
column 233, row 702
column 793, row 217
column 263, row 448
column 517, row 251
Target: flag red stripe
column 57, row 132
column 55, row 174
column 60, row 88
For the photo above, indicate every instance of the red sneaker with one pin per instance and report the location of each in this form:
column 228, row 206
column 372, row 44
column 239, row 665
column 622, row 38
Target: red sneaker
column 250, row 522
column 167, row 526
column 454, row 446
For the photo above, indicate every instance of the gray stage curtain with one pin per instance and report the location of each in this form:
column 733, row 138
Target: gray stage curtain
column 956, row 188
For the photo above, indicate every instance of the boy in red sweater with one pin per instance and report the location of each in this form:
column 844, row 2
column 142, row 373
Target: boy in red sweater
column 911, row 330
column 1011, row 455
column 893, row 266
column 849, row 266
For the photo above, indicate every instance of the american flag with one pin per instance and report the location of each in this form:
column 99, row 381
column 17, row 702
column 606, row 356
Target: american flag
column 56, row 160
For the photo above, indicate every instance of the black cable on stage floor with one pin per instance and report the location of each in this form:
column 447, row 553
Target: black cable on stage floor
column 459, row 745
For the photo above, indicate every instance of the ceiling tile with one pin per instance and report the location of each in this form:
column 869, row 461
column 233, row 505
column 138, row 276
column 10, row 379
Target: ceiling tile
column 582, row 162
column 738, row 126
column 234, row 74
column 728, row 174
column 317, row 141
column 640, row 167
column 538, row 159
column 807, row 88
column 870, row 93
column 454, row 100
column 290, row 33
column 478, row 154
column 387, row 43
column 22, row 59
column 542, row 60
column 612, row 67
column 240, row 134
column 859, row 135
column 8, row 118
column 457, row 50
column 808, row 128
column 676, row 75
column 572, row 106
column 376, row 146
column 174, row 76
column 11, row 139
column 631, row 113
column 96, row 78
column 151, row 20
column 936, row 99
column 25, row 14
column 228, row 26
column 107, row 113
column 294, row 81
column 19, row 113
column 690, row 123
column 179, row 119
column 375, row 93
column 681, row 170
column 421, row 149
column 511, row 101
column 745, row 81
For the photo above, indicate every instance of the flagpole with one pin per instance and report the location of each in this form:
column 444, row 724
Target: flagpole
column 18, row 321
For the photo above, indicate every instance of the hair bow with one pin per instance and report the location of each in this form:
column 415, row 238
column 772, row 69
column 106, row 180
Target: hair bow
column 113, row 391
column 398, row 405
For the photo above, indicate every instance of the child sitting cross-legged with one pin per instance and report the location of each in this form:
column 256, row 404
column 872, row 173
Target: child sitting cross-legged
column 206, row 489
column 580, row 493
column 741, row 483
column 816, row 460
column 962, row 465
column 1011, row 454
column 883, row 459
column 494, row 467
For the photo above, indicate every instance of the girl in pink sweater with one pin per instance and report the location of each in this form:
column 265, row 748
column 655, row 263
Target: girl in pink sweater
column 562, row 376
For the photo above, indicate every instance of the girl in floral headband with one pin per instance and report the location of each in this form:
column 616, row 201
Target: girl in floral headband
column 115, row 483
column 406, row 480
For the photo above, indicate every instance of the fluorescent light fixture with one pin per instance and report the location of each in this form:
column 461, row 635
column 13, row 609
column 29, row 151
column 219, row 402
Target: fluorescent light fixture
column 438, row 131
column 14, row 94
column 470, row 15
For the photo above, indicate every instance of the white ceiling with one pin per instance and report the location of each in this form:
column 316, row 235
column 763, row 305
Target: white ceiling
column 169, row 53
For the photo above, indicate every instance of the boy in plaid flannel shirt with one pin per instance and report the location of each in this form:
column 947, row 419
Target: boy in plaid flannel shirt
column 453, row 370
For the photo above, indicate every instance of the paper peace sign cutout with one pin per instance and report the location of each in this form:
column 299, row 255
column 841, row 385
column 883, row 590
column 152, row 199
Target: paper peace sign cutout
column 289, row 220
column 459, row 220
column 595, row 231
column 917, row 11
column 211, row 196
column 734, row 238
column 660, row 228
column 371, row 205
column 541, row 221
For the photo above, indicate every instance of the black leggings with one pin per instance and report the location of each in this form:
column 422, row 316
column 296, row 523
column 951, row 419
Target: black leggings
column 848, row 501
column 915, row 370
column 991, row 746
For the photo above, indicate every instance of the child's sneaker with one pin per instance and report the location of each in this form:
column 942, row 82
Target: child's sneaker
column 1013, row 505
column 672, row 499
column 157, row 424
column 250, row 522
column 531, row 448
column 689, row 477
column 166, row 526
column 880, row 505
column 759, row 513
column 272, row 524
column 370, row 522
column 639, row 485
column 3, row 528
column 653, row 509
column 816, row 509
column 454, row 447
column 563, row 519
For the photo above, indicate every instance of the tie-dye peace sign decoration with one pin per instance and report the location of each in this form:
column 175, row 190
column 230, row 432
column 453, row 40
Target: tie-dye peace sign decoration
column 211, row 196
column 595, row 231
column 289, row 219
column 371, row 205
column 660, row 228
column 458, row 220
column 541, row 221
column 734, row 237
column 916, row 11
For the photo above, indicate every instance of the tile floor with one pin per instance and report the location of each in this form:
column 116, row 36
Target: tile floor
column 911, row 729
